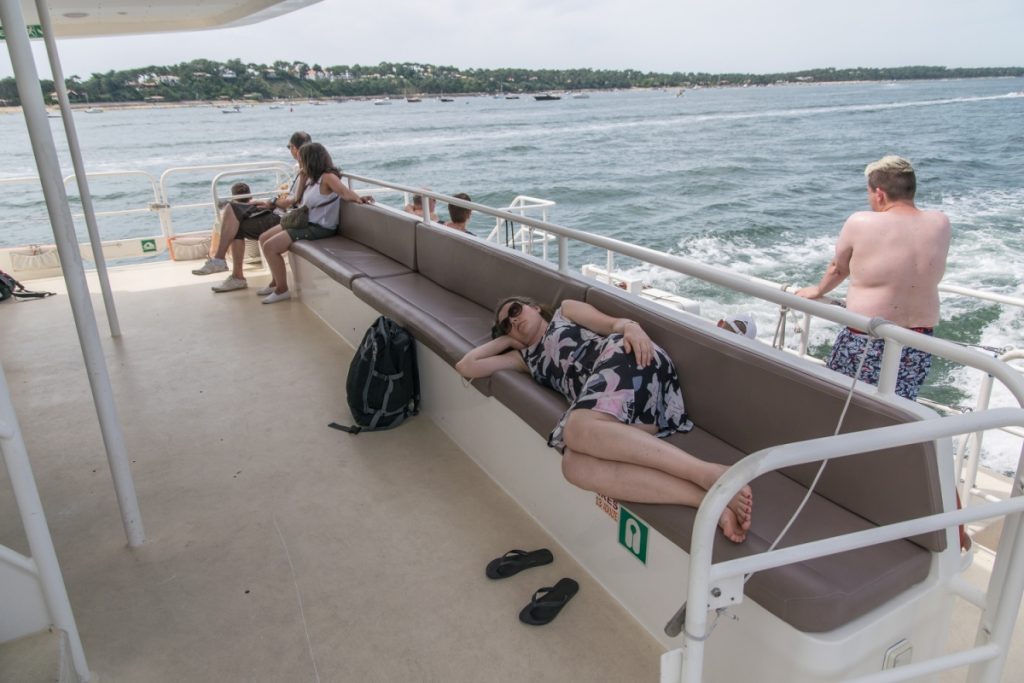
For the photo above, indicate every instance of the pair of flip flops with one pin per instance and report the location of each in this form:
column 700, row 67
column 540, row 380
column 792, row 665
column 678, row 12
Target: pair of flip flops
column 547, row 602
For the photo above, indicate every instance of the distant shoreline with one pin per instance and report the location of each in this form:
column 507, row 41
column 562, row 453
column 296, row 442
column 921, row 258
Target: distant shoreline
column 300, row 101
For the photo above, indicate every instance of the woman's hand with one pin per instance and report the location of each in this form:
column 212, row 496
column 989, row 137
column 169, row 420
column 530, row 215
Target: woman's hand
column 636, row 341
column 366, row 199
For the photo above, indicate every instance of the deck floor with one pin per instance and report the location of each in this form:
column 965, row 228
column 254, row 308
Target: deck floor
column 277, row 549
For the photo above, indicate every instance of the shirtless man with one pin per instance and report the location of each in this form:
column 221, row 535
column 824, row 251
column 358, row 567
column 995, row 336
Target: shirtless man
column 895, row 256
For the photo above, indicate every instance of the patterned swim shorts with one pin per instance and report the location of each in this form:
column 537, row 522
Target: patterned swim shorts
column 914, row 363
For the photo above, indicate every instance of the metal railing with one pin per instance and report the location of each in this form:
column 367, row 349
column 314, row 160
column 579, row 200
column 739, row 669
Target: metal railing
column 161, row 192
column 714, row 585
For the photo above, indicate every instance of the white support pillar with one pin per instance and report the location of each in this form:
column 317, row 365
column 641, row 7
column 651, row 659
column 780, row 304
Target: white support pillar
column 76, row 161
column 40, row 544
column 27, row 80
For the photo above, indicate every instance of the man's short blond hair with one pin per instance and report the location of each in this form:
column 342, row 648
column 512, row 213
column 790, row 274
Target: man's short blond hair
column 894, row 174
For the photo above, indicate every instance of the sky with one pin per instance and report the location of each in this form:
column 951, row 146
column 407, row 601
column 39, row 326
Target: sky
column 748, row 36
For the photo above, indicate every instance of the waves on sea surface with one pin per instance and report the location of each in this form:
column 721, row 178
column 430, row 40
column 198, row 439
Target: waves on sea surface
column 758, row 180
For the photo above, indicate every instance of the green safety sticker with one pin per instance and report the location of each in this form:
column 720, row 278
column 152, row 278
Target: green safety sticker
column 633, row 534
column 148, row 246
column 34, row 31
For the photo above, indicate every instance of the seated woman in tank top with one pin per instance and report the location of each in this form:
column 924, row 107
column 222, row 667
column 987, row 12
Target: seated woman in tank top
column 623, row 394
column 322, row 195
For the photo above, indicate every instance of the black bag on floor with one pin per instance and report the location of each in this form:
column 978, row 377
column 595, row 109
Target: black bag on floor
column 10, row 287
column 383, row 384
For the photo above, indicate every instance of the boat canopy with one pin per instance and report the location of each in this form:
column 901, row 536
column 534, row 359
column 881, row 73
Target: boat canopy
column 78, row 18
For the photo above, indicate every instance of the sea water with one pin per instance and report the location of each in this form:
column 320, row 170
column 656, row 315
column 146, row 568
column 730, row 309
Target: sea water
column 757, row 180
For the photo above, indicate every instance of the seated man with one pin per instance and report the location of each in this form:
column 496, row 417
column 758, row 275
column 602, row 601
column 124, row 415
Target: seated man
column 248, row 220
column 459, row 215
column 417, row 207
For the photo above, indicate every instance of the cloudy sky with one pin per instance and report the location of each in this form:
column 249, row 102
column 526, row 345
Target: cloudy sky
column 755, row 36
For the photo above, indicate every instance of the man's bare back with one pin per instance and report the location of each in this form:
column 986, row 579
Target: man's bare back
column 895, row 259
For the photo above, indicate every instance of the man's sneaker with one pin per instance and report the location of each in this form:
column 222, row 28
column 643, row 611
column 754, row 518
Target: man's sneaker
column 213, row 265
column 275, row 297
column 264, row 291
column 231, row 284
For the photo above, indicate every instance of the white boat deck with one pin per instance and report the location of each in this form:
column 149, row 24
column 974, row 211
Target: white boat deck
column 278, row 549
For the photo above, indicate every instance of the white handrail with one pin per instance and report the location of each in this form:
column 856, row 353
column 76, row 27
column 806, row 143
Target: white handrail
column 745, row 285
column 1007, row 581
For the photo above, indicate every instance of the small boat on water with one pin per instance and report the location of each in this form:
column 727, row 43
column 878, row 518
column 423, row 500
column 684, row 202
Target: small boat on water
column 546, row 97
column 581, row 96
column 93, row 110
column 382, row 101
column 231, row 110
column 413, row 99
column 511, row 97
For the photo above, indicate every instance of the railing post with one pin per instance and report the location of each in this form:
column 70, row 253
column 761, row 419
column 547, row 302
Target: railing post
column 974, row 454
column 563, row 254
column 890, row 366
column 1004, row 595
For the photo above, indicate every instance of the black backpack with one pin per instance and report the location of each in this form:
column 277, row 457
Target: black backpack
column 10, row 287
column 383, row 384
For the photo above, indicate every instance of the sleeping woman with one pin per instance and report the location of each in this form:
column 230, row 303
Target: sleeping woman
column 623, row 395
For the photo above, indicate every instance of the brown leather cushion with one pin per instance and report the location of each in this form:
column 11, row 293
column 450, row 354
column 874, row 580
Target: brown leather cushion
column 485, row 273
column 813, row 596
column 384, row 230
column 344, row 259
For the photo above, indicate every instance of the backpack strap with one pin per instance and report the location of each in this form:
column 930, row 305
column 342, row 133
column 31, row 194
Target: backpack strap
column 355, row 429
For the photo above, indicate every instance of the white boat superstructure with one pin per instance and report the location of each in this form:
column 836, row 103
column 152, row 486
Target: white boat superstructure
column 279, row 549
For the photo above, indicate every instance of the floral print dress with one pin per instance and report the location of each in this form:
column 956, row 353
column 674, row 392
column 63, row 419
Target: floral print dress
column 596, row 372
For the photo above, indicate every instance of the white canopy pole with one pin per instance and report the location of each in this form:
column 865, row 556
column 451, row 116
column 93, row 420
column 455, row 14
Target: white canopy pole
column 40, row 543
column 76, row 161
column 27, row 80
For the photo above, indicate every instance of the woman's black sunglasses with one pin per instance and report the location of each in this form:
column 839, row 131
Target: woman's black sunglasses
column 504, row 325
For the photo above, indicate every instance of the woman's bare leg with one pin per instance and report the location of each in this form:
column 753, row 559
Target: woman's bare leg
column 625, row 481
column 602, row 436
column 266, row 235
column 273, row 250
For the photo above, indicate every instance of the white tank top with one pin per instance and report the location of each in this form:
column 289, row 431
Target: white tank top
column 323, row 208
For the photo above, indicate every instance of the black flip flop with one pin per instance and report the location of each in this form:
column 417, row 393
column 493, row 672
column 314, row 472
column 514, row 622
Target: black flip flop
column 515, row 561
column 548, row 602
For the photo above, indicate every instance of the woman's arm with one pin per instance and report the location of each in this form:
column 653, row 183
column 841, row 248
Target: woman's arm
column 636, row 340
column 344, row 191
column 485, row 360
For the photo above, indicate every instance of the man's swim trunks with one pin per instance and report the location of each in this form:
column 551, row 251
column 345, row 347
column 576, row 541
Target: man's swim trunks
column 914, row 363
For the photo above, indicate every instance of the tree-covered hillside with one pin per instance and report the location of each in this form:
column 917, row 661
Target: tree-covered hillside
column 203, row 79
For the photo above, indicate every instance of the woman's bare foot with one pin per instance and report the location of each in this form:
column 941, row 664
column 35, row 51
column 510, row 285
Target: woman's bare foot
column 731, row 527
column 741, row 505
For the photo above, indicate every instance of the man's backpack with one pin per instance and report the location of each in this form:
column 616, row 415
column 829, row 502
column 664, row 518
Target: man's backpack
column 10, row 287
column 383, row 384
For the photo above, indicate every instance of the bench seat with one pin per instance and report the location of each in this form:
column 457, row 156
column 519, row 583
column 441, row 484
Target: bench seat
column 742, row 396
column 344, row 259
